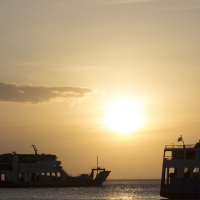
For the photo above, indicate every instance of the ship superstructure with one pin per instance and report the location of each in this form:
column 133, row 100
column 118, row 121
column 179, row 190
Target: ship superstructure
column 181, row 171
column 43, row 170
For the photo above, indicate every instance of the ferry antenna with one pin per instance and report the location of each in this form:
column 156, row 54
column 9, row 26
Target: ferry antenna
column 35, row 149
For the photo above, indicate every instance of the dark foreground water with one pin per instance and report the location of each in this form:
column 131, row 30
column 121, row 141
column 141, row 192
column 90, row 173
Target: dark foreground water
column 112, row 189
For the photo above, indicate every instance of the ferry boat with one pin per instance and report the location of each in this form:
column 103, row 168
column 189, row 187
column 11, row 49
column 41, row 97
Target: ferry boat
column 181, row 171
column 43, row 170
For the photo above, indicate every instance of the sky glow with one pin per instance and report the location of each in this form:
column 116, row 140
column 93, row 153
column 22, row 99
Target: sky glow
column 63, row 61
column 124, row 115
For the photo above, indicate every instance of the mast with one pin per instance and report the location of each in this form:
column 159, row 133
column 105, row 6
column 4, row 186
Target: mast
column 97, row 164
column 35, row 149
column 183, row 141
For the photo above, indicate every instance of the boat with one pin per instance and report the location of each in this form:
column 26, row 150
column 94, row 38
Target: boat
column 181, row 171
column 44, row 170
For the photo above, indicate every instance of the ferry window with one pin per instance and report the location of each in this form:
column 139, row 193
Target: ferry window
column 168, row 155
column 186, row 172
column 21, row 176
column 58, row 174
column 196, row 172
column 178, row 155
column 42, row 174
column 172, row 174
column 2, row 177
column 190, row 154
column 172, row 170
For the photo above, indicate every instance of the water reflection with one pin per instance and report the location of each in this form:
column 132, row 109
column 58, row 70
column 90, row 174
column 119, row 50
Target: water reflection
column 111, row 190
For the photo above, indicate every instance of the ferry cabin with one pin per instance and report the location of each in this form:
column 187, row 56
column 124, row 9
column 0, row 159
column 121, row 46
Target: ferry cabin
column 29, row 167
column 181, row 171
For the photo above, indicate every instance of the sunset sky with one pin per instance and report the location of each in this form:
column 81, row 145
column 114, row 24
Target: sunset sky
column 117, row 79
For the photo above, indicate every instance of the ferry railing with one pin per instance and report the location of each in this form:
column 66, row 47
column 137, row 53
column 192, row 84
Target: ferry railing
column 179, row 146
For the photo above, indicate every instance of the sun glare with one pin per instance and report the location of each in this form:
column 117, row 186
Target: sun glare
column 124, row 115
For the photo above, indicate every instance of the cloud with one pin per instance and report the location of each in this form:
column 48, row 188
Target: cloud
column 27, row 93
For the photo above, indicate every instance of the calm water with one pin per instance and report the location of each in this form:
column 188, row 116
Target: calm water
column 112, row 189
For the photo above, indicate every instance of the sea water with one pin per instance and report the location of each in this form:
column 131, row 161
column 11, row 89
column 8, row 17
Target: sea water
column 111, row 190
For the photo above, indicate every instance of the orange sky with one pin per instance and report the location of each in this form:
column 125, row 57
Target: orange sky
column 62, row 62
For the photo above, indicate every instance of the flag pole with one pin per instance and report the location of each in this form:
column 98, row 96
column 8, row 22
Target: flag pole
column 183, row 142
column 181, row 139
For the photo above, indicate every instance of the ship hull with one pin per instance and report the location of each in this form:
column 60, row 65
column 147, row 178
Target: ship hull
column 180, row 196
column 182, row 188
column 69, row 182
column 48, row 184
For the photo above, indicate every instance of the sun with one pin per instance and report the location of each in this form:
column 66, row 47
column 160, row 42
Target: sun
column 124, row 115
